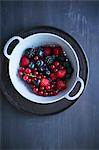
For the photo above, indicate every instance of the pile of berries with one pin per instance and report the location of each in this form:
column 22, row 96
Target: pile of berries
column 46, row 69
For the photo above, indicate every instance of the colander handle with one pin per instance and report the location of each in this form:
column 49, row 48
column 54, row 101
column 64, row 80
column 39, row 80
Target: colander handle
column 67, row 96
column 8, row 43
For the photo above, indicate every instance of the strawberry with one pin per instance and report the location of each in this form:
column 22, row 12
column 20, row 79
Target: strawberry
column 44, row 82
column 60, row 85
column 53, row 76
column 61, row 73
column 47, row 51
column 57, row 51
column 24, row 61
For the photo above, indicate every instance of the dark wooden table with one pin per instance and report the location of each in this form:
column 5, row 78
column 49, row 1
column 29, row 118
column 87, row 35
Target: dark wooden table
column 77, row 127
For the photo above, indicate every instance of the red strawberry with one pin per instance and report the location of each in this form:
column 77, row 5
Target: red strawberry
column 47, row 51
column 60, row 85
column 61, row 73
column 57, row 50
column 44, row 82
column 53, row 76
column 24, row 61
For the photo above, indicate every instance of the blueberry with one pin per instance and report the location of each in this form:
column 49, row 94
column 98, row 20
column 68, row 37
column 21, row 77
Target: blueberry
column 40, row 63
column 31, row 65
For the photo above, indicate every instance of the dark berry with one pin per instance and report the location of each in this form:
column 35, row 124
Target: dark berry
column 31, row 65
column 69, row 70
column 66, row 64
column 62, row 57
column 68, row 76
column 40, row 63
column 49, row 59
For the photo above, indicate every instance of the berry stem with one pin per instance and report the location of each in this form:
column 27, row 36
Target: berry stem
column 30, row 75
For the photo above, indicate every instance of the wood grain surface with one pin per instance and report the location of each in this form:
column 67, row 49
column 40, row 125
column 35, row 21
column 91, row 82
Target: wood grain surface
column 77, row 127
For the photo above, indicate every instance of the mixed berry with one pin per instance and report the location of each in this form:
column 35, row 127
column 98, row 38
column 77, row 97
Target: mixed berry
column 46, row 69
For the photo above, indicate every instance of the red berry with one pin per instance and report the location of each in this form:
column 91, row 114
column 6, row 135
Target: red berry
column 44, row 82
column 57, row 51
column 36, row 73
column 56, row 63
column 51, row 93
column 36, row 58
column 52, row 86
column 20, row 73
column 25, row 77
column 35, row 90
column 45, row 94
column 33, row 86
column 42, row 88
column 53, row 76
column 55, row 70
column 35, row 69
column 61, row 67
column 22, row 69
column 52, row 66
column 43, row 76
column 29, row 80
column 28, row 70
column 55, row 92
column 48, row 87
column 24, row 61
column 60, row 85
column 40, row 93
column 61, row 73
column 47, row 51
column 39, row 77
column 33, row 79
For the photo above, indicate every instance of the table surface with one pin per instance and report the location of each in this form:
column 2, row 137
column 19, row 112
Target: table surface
column 78, row 126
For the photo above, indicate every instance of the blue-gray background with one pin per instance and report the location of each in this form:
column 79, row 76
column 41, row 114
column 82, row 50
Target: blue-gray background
column 77, row 127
